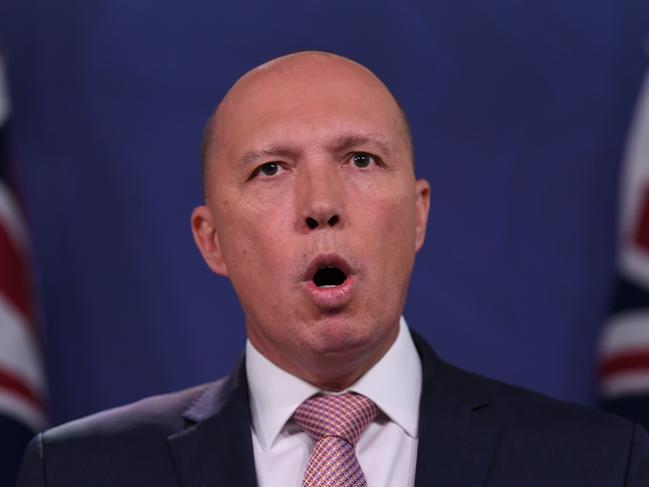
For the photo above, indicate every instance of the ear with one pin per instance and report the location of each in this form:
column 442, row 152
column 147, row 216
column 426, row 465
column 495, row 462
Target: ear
column 207, row 239
column 421, row 208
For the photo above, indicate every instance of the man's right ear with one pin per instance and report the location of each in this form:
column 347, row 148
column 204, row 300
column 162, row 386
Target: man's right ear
column 207, row 239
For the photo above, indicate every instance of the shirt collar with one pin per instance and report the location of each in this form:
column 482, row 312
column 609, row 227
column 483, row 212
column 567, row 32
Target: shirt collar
column 393, row 383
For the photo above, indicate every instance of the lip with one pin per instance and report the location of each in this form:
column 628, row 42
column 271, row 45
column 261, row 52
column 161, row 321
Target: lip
column 330, row 297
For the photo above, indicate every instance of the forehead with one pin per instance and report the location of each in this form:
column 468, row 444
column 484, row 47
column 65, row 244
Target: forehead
column 307, row 102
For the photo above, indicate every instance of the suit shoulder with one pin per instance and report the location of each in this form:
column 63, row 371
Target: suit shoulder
column 127, row 445
column 574, row 444
column 522, row 407
column 155, row 415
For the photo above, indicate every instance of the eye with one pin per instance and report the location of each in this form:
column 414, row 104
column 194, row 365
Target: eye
column 363, row 159
column 268, row 169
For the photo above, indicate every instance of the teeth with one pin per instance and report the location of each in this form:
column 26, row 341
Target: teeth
column 329, row 285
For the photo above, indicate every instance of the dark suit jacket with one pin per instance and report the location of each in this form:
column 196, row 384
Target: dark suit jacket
column 473, row 432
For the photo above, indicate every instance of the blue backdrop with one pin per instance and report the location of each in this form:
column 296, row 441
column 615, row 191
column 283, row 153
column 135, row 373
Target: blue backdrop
column 519, row 111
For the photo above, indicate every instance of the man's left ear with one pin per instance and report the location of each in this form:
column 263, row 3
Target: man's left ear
column 422, row 204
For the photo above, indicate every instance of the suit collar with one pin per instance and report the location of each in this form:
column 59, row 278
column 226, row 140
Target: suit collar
column 458, row 437
column 215, row 448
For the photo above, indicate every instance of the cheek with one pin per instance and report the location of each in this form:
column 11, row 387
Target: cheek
column 255, row 244
column 394, row 235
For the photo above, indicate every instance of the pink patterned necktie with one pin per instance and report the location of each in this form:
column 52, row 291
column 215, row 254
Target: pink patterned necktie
column 335, row 423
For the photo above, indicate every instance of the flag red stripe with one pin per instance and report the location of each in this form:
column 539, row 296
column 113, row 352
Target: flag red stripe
column 14, row 384
column 14, row 283
column 625, row 362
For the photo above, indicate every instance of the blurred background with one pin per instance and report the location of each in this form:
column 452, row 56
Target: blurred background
column 521, row 114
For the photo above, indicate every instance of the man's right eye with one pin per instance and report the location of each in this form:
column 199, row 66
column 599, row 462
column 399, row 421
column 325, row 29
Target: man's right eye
column 267, row 169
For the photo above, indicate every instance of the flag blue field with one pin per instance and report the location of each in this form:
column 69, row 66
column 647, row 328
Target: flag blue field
column 624, row 349
column 21, row 374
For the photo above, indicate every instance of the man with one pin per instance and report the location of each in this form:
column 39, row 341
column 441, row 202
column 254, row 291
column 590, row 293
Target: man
column 312, row 210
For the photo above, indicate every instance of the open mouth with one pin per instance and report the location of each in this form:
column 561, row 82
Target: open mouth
column 327, row 271
column 330, row 282
column 329, row 277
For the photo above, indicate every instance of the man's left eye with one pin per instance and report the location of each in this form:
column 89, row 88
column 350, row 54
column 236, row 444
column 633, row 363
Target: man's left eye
column 363, row 159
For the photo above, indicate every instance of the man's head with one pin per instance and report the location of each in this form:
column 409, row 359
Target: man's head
column 210, row 131
column 313, row 211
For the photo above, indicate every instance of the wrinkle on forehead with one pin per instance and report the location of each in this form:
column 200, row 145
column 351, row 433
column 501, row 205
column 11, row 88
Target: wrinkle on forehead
column 302, row 65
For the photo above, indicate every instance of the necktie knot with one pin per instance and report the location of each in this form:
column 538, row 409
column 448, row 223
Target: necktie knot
column 345, row 416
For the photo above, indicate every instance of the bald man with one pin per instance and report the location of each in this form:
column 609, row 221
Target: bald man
column 313, row 211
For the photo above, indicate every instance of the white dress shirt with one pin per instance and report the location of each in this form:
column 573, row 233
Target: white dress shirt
column 387, row 450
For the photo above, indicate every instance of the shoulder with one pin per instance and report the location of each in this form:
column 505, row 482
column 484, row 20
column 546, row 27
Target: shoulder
column 532, row 436
column 519, row 407
column 513, row 406
column 127, row 445
column 538, row 431
column 156, row 415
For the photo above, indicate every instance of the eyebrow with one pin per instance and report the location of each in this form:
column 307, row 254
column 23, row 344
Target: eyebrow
column 339, row 144
column 273, row 151
column 346, row 142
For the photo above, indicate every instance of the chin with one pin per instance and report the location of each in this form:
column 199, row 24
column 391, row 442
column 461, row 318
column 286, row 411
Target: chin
column 339, row 334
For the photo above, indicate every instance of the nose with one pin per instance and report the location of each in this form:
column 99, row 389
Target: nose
column 321, row 200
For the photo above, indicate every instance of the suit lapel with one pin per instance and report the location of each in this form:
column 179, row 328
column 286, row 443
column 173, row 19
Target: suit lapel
column 457, row 436
column 216, row 447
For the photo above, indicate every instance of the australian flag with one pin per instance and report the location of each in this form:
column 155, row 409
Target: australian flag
column 22, row 382
column 624, row 348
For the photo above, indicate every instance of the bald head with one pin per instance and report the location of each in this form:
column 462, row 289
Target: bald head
column 303, row 76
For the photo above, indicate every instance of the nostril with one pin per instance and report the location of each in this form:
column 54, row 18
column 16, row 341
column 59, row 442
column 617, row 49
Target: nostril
column 311, row 223
column 333, row 221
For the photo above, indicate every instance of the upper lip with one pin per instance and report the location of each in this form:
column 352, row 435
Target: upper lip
column 327, row 260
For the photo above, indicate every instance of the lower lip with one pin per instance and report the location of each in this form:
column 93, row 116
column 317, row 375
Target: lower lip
column 331, row 297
